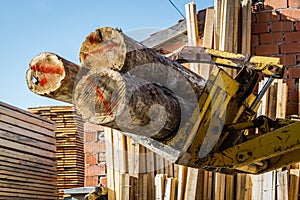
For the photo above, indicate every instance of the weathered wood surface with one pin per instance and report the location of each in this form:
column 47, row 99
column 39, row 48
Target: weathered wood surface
column 127, row 103
column 107, row 47
column 52, row 76
column 27, row 152
column 69, row 145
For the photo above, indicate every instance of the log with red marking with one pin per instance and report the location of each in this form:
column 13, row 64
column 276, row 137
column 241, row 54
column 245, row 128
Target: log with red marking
column 52, row 76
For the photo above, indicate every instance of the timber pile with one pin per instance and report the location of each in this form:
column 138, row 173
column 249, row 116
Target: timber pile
column 137, row 173
column 69, row 145
column 27, row 155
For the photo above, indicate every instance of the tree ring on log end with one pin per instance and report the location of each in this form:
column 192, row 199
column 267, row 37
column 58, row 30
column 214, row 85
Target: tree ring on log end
column 97, row 95
column 103, row 47
column 45, row 74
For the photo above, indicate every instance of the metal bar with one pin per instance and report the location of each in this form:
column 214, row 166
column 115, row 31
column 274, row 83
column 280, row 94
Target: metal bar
column 262, row 92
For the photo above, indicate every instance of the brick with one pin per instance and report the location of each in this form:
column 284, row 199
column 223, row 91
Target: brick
column 268, row 49
column 89, row 127
column 94, row 147
column 291, row 84
column 103, row 181
column 274, row 4
column 282, row 26
column 268, row 38
column 290, row 14
column 260, row 27
column 90, row 137
column 293, row 72
column 91, row 181
column 298, row 26
column 290, row 47
column 292, row 108
column 293, row 3
column 292, row 36
column 91, row 159
column 95, row 170
column 254, row 40
column 288, row 60
column 293, row 96
column 269, row 16
column 102, row 157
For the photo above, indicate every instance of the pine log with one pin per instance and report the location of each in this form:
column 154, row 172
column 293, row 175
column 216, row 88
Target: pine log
column 127, row 103
column 52, row 76
column 108, row 47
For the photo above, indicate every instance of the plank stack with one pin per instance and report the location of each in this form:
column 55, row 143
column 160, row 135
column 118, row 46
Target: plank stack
column 27, row 155
column 69, row 144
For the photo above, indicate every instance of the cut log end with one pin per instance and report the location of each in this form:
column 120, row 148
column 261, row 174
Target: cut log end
column 103, row 47
column 127, row 103
column 98, row 94
column 45, row 73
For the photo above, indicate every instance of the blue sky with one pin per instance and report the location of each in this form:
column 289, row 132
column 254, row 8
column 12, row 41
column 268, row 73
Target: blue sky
column 29, row 27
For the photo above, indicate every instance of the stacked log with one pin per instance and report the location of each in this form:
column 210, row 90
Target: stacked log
column 121, row 84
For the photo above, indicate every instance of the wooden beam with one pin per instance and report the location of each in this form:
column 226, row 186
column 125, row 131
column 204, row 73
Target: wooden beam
column 192, row 30
column 207, row 40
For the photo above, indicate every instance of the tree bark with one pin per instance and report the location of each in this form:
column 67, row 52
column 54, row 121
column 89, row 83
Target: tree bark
column 52, row 76
column 127, row 103
column 108, row 47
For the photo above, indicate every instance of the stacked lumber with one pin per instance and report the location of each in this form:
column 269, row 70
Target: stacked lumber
column 69, row 145
column 134, row 172
column 27, row 153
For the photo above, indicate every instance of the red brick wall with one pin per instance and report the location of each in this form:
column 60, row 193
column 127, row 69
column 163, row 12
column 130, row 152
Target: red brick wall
column 94, row 149
column 276, row 32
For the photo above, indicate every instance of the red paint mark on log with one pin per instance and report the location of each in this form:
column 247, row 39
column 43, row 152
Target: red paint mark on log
column 100, row 50
column 43, row 81
column 91, row 39
column 100, row 95
column 47, row 69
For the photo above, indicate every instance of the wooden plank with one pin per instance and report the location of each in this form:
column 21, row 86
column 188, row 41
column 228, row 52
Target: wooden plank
column 25, row 116
column 21, row 195
column 229, row 187
column 282, row 185
column 220, row 181
column 272, row 101
column 246, row 26
column 24, row 148
column 28, row 186
column 191, row 184
column 257, row 192
column 7, row 153
column 151, row 173
column 26, row 170
column 217, row 23
column 45, row 134
column 207, row 40
column 182, row 175
column 165, row 35
column 210, row 185
column 27, row 141
column 160, row 186
column 248, row 187
column 110, row 164
column 294, row 182
column 268, row 185
column 192, row 30
column 170, row 189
